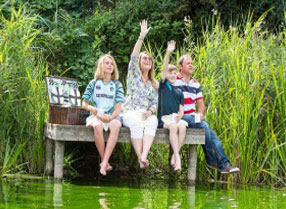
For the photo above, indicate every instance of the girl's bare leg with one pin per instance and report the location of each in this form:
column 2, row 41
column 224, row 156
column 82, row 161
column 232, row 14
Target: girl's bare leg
column 114, row 128
column 99, row 139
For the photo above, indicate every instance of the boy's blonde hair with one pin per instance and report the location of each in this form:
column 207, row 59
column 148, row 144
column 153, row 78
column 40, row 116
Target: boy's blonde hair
column 151, row 73
column 172, row 68
column 99, row 69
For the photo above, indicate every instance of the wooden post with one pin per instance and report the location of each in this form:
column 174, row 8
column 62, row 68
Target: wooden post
column 192, row 164
column 49, row 157
column 59, row 159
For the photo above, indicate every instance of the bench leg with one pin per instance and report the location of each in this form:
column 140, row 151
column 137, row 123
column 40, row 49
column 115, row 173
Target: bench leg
column 49, row 157
column 59, row 159
column 192, row 164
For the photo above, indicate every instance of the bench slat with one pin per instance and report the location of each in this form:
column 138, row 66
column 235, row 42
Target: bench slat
column 81, row 133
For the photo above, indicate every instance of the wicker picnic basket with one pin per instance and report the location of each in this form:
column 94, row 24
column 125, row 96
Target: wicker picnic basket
column 64, row 101
column 67, row 115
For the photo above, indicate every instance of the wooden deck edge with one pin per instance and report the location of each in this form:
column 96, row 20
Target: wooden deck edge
column 81, row 133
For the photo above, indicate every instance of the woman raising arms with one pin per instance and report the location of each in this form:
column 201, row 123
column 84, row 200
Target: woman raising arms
column 141, row 99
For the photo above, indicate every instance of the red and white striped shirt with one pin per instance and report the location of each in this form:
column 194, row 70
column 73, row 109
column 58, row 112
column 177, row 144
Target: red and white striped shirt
column 192, row 92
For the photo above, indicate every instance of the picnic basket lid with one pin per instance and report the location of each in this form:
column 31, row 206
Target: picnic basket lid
column 63, row 91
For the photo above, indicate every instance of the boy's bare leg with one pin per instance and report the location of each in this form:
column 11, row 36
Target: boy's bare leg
column 181, row 135
column 175, row 160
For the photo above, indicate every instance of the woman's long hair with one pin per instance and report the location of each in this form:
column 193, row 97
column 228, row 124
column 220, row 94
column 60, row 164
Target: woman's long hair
column 151, row 73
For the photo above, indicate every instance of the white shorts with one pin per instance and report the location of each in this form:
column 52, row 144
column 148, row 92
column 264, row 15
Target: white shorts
column 93, row 121
column 138, row 127
column 169, row 119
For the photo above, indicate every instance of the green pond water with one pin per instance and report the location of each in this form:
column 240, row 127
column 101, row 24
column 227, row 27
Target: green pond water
column 118, row 193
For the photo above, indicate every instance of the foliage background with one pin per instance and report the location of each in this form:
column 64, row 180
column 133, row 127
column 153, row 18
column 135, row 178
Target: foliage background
column 67, row 37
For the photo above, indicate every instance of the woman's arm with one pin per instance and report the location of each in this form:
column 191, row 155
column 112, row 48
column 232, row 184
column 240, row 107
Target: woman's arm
column 170, row 49
column 143, row 33
column 153, row 102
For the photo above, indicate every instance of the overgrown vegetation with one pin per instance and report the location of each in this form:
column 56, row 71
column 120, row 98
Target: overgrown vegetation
column 241, row 67
column 23, row 105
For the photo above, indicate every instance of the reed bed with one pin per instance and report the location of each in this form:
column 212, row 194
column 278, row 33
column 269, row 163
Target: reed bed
column 242, row 71
column 23, row 103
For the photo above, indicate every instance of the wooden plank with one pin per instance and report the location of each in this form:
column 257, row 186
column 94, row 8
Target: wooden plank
column 80, row 133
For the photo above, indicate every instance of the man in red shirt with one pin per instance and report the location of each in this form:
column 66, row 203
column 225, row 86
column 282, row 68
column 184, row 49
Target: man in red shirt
column 191, row 89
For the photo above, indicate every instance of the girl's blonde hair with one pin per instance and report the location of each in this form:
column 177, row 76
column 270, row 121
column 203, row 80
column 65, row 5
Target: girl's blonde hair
column 151, row 73
column 99, row 74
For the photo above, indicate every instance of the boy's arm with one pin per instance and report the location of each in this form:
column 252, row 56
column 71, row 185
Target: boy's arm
column 181, row 112
column 170, row 49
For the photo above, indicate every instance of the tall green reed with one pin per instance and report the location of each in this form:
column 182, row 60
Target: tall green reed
column 23, row 105
column 242, row 72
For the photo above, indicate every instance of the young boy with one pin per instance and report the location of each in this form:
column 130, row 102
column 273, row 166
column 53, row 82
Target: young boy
column 171, row 107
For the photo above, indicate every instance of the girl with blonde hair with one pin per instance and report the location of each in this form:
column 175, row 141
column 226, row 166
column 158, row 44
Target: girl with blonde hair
column 103, row 98
column 141, row 99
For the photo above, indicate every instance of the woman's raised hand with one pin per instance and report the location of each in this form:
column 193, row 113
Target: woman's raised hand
column 144, row 28
column 171, row 46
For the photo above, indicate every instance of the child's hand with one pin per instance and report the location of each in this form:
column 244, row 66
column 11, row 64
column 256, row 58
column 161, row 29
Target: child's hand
column 144, row 28
column 93, row 110
column 171, row 46
column 177, row 118
column 104, row 118
column 202, row 116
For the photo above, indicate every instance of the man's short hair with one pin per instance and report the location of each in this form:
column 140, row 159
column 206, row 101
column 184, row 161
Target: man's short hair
column 181, row 60
column 171, row 68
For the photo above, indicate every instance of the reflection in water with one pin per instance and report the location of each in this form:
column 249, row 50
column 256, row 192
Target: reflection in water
column 58, row 192
column 192, row 196
column 141, row 195
column 102, row 201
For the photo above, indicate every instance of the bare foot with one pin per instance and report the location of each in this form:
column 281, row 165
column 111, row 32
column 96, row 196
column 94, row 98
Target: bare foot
column 108, row 167
column 103, row 169
column 173, row 162
column 178, row 163
column 140, row 164
column 143, row 162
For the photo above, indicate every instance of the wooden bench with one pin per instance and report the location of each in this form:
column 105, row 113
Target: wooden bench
column 61, row 133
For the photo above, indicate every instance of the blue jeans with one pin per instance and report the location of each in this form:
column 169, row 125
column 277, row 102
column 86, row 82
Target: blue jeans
column 213, row 149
